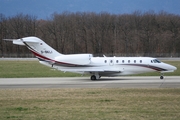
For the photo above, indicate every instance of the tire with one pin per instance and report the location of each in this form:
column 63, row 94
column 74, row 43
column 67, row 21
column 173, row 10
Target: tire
column 93, row 77
column 161, row 77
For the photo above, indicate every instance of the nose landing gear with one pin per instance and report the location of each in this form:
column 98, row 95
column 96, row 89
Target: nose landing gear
column 162, row 76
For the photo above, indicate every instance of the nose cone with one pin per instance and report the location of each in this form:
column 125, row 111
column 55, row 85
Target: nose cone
column 171, row 68
column 174, row 68
column 168, row 68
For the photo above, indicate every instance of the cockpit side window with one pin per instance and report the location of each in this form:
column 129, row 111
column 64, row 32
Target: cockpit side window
column 156, row 61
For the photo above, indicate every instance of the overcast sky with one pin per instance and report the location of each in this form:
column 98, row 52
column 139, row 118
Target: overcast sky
column 44, row 8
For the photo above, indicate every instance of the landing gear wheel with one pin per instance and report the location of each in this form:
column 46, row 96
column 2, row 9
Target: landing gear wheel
column 93, row 77
column 161, row 77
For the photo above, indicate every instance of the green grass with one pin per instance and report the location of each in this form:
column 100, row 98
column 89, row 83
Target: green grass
column 20, row 69
column 23, row 69
column 90, row 104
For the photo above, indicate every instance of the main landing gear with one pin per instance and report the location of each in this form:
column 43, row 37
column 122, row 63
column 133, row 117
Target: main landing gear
column 95, row 77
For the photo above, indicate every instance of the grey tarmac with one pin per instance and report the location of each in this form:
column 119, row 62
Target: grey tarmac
column 85, row 82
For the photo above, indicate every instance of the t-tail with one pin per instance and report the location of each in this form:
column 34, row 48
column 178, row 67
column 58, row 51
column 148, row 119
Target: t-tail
column 38, row 47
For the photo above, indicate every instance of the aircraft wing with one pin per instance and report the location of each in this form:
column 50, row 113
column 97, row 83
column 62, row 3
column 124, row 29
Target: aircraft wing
column 91, row 70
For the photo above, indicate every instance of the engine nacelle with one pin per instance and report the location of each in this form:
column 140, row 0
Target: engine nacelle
column 78, row 59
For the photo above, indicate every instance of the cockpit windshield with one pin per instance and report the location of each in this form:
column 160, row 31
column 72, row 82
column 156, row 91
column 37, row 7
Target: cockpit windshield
column 156, row 61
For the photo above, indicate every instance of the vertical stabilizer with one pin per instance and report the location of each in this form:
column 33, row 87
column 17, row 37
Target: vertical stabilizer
column 39, row 48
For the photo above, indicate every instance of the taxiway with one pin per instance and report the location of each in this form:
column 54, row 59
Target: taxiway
column 84, row 82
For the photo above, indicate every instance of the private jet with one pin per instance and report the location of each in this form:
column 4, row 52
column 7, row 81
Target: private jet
column 95, row 66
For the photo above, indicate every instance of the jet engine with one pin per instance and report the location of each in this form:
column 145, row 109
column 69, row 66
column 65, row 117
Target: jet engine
column 78, row 59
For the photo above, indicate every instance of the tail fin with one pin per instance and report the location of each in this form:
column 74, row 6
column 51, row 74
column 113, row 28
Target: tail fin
column 38, row 47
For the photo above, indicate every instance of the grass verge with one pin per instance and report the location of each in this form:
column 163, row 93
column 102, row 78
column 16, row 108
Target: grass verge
column 24, row 69
column 90, row 104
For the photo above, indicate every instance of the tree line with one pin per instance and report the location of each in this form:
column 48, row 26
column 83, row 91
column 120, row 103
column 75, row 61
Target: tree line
column 137, row 34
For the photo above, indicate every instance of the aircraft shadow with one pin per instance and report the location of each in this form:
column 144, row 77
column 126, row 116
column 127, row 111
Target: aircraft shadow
column 109, row 79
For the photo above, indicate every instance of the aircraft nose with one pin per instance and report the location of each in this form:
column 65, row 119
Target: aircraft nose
column 172, row 67
column 169, row 68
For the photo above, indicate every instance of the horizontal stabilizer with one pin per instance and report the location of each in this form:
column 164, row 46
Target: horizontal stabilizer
column 15, row 41
column 22, row 40
column 9, row 39
column 30, row 40
column 18, row 42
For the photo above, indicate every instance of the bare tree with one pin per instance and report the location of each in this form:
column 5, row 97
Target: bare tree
column 147, row 34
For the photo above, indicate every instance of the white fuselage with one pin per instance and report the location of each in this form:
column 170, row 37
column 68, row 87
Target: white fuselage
column 116, row 66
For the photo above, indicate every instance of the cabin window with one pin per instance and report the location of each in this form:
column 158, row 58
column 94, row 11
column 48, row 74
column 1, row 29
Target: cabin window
column 128, row 61
column 122, row 61
column 117, row 61
column 105, row 61
column 140, row 61
column 134, row 61
column 151, row 61
column 111, row 61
